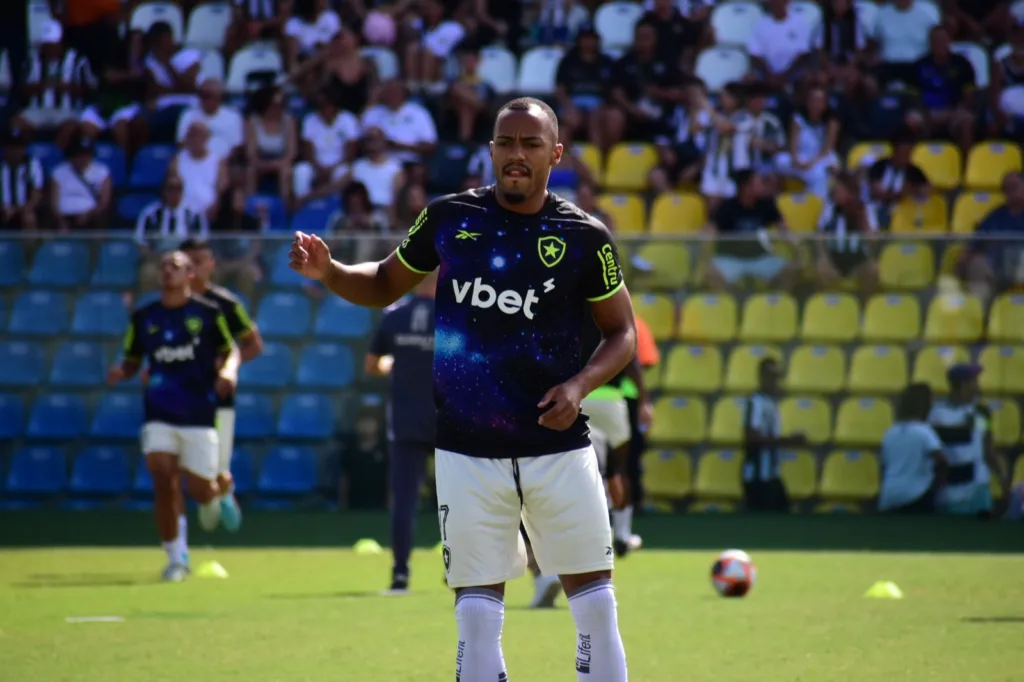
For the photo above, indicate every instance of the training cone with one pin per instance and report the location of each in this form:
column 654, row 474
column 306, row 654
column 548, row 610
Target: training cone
column 884, row 589
column 439, row 548
column 211, row 569
column 367, row 546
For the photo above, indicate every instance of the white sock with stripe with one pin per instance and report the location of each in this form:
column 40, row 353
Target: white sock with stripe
column 600, row 656
column 480, row 616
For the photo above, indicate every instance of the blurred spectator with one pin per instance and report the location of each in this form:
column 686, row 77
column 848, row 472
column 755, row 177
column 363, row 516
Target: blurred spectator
column 348, row 76
column 256, row 20
column 498, row 21
column 204, row 174
column 813, row 140
column 965, row 25
column 380, row 172
column 586, row 198
column 440, row 35
column 162, row 225
column 559, row 21
column 847, row 229
column 582, row 79
column 92, row 28
column 330, row 139
column 480, row 169
column 945, row 86
column 900, row 38
column 769, row 134
column 357, row 216
column 470, row 98
column 270, row 143
column 227, row 127
column 410, row 200
column 681, row 152
column 913, row 464
column 891, row 179
column 746, row 250
column 783, row 45
column 80, row 189
column 843, row 41
column 21, row 185
column 173, row 71
column 238, row 263
column 995, row 259
column 728, row 145
column 407, row 125
column 311, row 25
column 1006, row 90
column 676, row 33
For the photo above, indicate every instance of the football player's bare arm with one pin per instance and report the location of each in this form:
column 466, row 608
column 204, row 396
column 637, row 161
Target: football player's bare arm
column 614, row 317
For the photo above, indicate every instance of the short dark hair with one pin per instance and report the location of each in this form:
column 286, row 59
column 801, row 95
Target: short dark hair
column 525, row 104
column 193, row 244
column 915, row 402
column 159, row 29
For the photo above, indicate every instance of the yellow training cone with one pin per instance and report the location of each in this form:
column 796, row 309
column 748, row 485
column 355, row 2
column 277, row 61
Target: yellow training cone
column 439, row 548
column 367, row 546
column 884, row 589
column 211, row 569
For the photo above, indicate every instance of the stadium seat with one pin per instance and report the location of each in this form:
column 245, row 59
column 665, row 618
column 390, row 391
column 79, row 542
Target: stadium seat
column 537, row 70
column 270, row 369
column 130, row 206
column 811, row 416
column 626, row 211
column 658, row 311
column 908, row 265
column 38, row 18
column 678, row 213
column 288, row 471
column 862, row 422
column 149, row 13
column 1006, row 423
column 771, row 317
column 243, row 472
column 498, row 68
column 733, row 22
column 931, row 364
column 727, row 419
column 99, row 313
column 800, row 211
column 115, row 159
column 954, row 318
column 591, row 157
column 284, row 315
column 718, row 476
column 831, row 318
column 988, row 162
column 208, row 25
column 865, row 153
column 254, row 58
column 978, row 57
column 12, row 263
column 118, row 265
column 652, row 377
column 667, row 474
column 37, row 470
column 315, row 216
column 306, row 416
column 720, row 65
column 741, row 370
column 447, row 167
column 274, row 207
column 913, row 214
column 615, row 22
column 337, row 318
column 970, row 208
column 60, row 263
column 384, row 59
column 150, row 166
column 878, row 369
column 325, row 365
column 678, row 420
column 118, row 415
column 670, row 265
column 12, row 416
column 941, row 162
column 696, row 369
column 100, row 470
column 816, row 369
column 891, row 318
column 1003, row 369
column 21, row 364
column 39, row 313
column 629, row 166
column 254, row 415
column 849, row 475
column 708, row 318
column 142, row 481
column 1006, row 319
column 799, row 472
column 48, row 154
column 78, row 364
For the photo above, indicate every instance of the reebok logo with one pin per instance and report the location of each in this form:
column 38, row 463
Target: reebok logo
column 483, row 295
column 175, row 353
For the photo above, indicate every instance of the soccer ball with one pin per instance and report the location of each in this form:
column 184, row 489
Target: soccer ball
column 733, row 573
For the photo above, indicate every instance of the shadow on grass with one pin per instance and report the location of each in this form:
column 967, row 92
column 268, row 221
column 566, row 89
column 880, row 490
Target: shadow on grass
column 48, row 580
column 993, row 620
column 342, row 594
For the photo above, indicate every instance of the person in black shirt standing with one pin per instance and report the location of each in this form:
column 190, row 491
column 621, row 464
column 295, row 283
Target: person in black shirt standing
column 581, row 81
column 677, row 35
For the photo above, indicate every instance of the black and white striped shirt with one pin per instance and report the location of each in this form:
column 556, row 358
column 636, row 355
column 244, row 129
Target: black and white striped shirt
column 18, row 182
column 71, row 69
column 161, row 223
column 762, row 415
column 767, row 128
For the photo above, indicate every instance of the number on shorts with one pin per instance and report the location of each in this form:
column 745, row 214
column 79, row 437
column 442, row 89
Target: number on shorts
column 444, row 522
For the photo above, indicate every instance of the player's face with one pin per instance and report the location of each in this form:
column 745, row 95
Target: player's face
column 175, row 271
column 202, row 264
column 523, row 152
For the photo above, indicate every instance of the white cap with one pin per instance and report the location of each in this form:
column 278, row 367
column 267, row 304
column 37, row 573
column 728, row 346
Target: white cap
column 52, row 32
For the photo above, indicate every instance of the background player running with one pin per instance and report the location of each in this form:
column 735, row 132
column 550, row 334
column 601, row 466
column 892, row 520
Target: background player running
column 191, row 361
column 522, row 273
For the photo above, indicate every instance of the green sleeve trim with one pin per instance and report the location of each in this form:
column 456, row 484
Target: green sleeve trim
column 398, row 252
column 244, row 321
column 129, row 338
column 609, row 294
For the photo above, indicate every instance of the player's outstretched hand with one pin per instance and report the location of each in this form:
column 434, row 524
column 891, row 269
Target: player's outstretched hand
column 224, row 387
column 563, row 403
column 115, row 375
column 309, row 256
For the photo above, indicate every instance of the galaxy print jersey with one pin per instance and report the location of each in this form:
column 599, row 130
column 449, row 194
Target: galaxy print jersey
column 238, row 321
column 511, row 310
column 182, row 347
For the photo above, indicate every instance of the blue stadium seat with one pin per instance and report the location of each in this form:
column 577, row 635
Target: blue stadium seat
column 288, row 471
column 130, row 205
column 275, row 208
column 243, row 471
column 254, row 415
column 100, row 313
column 114, row 157
column 142, row 482
column 118, row 415
column 21, row 363
column 78, row 363
column 270, row 369
column 60, row 264
column 306, row 416
column 150, row 166
column 39, row 313
column 58, row 416
column 49, row 155
column 280, row 274
column 314, row 217
column 325, row 365
column 100, row 470
column 447, row 168
column 118, row 264
column 338, row 318
column 12, row 263
column 12, row 416
column 37, row 470
column 284, row 315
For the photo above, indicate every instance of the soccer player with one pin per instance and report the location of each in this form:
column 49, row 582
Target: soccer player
column 403, row 347
column 523, row 272
column 192, row 362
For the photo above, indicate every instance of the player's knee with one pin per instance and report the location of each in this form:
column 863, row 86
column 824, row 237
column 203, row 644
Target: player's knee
column 225, row 482
column 498, row 588
column 161, row 468
column 202, row 490
column 575, row 582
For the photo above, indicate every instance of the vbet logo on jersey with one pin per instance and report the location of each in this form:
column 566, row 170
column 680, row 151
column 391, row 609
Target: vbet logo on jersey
column 181, row 353
column 509, row 301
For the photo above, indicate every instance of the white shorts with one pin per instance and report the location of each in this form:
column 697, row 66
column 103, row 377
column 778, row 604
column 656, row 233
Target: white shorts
column 611, row 417
column 225, row 438
column 564, row 509
column 195, row 446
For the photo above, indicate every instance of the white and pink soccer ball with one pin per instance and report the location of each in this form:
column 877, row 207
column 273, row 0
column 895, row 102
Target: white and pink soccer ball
column 733, row 574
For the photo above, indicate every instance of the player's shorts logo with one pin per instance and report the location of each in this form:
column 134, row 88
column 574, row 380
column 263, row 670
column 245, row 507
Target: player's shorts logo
column 551, row 250
column 446, row 554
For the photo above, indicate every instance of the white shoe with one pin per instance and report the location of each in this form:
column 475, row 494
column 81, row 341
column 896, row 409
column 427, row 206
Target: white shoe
column 174, row 573
column 546, row 589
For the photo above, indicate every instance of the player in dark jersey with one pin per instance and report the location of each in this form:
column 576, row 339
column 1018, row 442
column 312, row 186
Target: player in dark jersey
column 522, row 273
column 191, row 360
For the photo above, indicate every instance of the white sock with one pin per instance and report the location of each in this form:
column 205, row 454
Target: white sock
column 182, row 535
column 479, row 615
column 622, row 522
column 173, row 551
column 599, row 653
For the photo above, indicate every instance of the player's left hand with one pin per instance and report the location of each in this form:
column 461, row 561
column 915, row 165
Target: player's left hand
column 225, row 386
column 563, row 403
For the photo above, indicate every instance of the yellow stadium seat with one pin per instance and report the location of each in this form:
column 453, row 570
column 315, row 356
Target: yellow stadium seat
column 941, row 162
column 678, row 213
column 629, row 166
column 1005, row 423
column 670, row 266
column 1006, row 319
column 878, row 369
column 727, row 420
column 678, row 420
column 891, row 317
column 668, row 474
column 849, row 475
column 950, row 264
column 863, row 151
column 741, row 370
column 652, row 378
column 718, row 476
column 862, row 422
column 696, row 369
column 712, row 508
column 1003, row 369
column 800, row 211
column 708, row 318
column 970, row 208
column 811, row 416
column 799, row 472
column 590, row 156
column 627, row 212
column 831, row 318
column 769, row 317
column 988, row 162
column 1018, row 471
column 954, row 318
column 816, row 369
column 658, row 311
column 931, row 364
column 920, row 215
column 907, row 265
